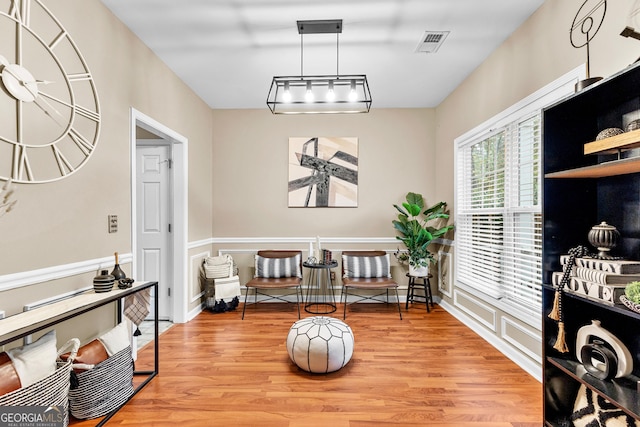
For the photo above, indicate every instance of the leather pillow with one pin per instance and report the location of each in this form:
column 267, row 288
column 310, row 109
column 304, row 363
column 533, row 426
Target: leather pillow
column 9, row 380
column 89, row 354
column 101, row 348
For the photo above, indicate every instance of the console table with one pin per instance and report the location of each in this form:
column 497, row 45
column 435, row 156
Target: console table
column 317, row 301
column 26, row 323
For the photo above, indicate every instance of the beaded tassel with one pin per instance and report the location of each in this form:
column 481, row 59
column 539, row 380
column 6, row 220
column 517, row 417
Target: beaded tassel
column 556, row 310
column 561, row 344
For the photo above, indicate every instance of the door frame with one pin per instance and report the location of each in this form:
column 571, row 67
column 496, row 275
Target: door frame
column 179, row 209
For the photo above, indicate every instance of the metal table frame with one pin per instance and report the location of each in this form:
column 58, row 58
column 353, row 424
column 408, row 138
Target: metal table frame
column 22, row 324
column 316, row 297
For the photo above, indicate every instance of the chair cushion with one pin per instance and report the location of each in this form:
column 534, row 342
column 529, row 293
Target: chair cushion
column 283, row 282
column 366, row 266
column 278, row 267
column 369, row 282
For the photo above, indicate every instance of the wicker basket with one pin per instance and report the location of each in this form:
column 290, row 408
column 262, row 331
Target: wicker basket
column 630, row 304
column 104, row 388
column 219, row 267
column 52, row 390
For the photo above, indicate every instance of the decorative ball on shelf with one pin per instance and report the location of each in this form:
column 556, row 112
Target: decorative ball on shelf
column 320, row 344
column 634, row 125
column 604, row 237
column 608, row 133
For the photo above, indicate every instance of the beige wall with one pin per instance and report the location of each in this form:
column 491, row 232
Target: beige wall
column 250, row 154
column 65, row 222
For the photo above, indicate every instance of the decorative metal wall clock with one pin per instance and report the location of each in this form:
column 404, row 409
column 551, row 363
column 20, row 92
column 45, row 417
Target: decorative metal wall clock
column 50, row 120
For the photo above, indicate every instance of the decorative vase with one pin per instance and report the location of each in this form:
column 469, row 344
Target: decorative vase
column 103, row 282
column 604, row 237
column 117, row 272
column 419, row 271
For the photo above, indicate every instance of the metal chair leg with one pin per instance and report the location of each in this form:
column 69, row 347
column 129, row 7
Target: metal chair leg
column 346, row 294
column 246, row 294
column 398, row 302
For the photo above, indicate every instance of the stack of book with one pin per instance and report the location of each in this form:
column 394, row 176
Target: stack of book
column 326, row 257
column 603, row 280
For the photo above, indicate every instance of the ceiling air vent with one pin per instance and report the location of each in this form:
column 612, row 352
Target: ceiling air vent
column 431, row 41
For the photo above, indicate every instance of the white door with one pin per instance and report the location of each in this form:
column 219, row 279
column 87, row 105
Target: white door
column 153, row 204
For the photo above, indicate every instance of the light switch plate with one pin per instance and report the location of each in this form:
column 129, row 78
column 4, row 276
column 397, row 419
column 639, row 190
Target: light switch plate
column 113, row 223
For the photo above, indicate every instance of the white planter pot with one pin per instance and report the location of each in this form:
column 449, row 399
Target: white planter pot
column 419, row 271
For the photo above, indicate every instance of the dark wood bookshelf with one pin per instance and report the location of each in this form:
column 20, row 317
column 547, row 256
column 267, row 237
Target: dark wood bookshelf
column 579, row 191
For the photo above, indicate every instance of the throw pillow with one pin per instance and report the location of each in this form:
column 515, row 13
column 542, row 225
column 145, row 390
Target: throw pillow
column 117, row 339
column 592, row 410
column 35, row 361
column 366, row 266
column 274, row 268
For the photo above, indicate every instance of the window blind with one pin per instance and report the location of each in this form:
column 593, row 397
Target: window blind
column 499, row 221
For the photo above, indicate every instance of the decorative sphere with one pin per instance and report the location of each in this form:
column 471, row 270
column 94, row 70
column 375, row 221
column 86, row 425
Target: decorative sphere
column 608, row 133
column 320, row 344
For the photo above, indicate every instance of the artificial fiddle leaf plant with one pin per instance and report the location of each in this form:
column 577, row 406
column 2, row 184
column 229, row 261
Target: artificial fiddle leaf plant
column 414, row 229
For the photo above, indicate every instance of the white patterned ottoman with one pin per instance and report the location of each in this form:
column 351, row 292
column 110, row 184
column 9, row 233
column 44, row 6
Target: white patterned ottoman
column 320, row 344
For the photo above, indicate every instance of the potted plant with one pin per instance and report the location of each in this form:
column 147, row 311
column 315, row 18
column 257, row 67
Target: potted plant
column 416, row 233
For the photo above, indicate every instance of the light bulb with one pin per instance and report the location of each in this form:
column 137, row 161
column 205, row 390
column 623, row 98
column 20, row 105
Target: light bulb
column 286, row 96
column 353, row 95
column 331, row 95
column 309, row 95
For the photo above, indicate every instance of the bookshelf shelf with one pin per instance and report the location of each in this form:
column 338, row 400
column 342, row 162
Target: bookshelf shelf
column 614, row 144
column 611, row 168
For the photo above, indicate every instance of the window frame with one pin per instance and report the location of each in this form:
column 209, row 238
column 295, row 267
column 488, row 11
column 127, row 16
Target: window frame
column 516, row 114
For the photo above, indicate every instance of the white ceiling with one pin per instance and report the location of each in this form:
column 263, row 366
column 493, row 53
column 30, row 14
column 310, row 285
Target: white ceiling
column 228, row 51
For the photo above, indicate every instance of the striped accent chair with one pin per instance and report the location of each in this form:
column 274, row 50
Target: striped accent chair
column 366, row 271
column 276, row 269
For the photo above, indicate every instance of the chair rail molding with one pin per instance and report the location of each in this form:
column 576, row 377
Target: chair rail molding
column 31, row 277
column 304, row 240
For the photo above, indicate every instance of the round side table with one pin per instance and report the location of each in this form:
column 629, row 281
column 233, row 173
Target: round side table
column 320, row 298
column 425, row 284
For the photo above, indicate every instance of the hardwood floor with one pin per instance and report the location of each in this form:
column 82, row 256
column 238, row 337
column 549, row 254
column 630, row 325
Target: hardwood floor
column 427, row 369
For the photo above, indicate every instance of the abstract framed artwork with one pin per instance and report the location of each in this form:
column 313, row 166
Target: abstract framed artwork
column 323, row 172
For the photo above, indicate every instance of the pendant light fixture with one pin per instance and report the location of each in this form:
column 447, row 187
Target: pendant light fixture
column 319, row 94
